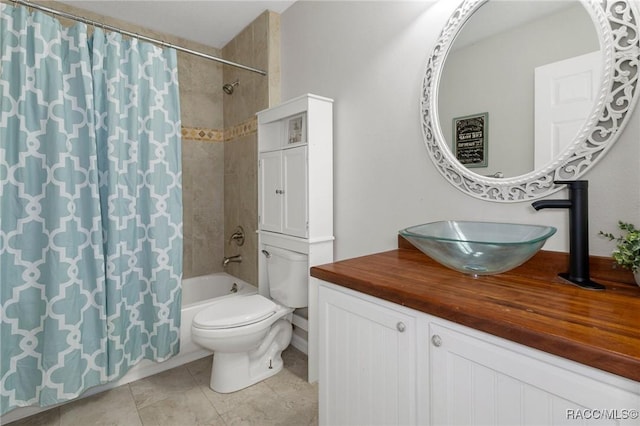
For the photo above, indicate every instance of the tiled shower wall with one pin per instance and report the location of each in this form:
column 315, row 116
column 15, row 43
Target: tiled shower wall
column 258, row 45
column 218, row 148
column 202, row 162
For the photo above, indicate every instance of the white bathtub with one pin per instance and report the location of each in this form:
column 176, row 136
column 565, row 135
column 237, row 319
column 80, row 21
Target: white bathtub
column 197, row 293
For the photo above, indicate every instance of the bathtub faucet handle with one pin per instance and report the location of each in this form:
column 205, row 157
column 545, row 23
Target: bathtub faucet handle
column 266, row 253
column 237, row 236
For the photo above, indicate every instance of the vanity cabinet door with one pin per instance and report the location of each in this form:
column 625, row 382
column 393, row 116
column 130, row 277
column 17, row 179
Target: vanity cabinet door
column 283, row 191
column 474, row 381
column 367, row 362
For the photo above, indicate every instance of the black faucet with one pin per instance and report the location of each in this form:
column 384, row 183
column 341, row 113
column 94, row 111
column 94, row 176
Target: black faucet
column 578, row 205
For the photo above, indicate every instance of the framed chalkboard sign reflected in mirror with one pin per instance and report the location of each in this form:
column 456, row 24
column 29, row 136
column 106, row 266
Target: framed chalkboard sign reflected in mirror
column 470, row 139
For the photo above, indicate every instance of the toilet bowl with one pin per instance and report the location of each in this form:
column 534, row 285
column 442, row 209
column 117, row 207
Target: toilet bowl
column 248, row 333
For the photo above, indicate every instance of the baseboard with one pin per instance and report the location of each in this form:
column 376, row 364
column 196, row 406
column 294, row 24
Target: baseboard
column 300, row 344
column 300, row 322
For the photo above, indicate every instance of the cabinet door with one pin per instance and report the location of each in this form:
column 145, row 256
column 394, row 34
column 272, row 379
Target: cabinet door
column 477, row 382
column 367, row 362
column 294, row 164
column 270, row 191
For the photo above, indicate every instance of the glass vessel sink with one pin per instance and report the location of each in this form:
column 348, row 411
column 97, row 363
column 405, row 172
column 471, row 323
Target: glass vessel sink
column 478, row 248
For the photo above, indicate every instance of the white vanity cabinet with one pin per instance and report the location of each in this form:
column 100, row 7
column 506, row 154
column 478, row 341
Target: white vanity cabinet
column 442, row 373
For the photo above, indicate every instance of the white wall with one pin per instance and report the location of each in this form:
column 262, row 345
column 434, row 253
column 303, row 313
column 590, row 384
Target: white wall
column 370, row 57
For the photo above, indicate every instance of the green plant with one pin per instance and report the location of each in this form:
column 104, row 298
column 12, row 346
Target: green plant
column 627, row 252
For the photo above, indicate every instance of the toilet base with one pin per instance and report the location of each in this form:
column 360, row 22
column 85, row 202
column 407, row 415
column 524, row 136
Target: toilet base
column 233, row 371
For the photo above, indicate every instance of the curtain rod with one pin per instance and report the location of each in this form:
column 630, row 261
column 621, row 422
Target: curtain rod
column 138, row 36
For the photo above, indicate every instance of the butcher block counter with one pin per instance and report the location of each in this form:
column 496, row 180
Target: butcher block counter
column 529, row 305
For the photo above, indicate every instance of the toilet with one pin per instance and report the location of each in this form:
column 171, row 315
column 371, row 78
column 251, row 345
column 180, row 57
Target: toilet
column 248, row 333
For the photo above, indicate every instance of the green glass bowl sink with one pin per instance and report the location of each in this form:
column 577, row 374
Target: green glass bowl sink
column 478, row 248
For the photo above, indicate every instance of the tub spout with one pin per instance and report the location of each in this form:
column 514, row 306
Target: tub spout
column 577, row 204
column 236, row 259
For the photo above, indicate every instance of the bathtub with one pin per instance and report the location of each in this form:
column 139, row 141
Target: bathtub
column 197, row 293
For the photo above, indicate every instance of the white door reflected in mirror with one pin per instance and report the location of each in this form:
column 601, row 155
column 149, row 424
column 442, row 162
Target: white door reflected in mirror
column 565, row 93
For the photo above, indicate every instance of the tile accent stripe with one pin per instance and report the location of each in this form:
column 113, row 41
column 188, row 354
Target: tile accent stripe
column 247, row 127
column 202, row 134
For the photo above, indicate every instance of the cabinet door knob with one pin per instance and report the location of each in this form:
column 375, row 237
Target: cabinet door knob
column 436, row 340
column 401, row 327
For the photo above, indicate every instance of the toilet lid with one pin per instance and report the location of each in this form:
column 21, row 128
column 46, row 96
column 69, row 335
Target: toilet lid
column 235, row 312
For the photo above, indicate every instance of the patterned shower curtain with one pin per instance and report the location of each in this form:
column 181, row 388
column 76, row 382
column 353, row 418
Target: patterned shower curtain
column 138, row 136
column 90, row 208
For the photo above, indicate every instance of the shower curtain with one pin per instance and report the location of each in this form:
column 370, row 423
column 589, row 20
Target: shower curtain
column 90, row 207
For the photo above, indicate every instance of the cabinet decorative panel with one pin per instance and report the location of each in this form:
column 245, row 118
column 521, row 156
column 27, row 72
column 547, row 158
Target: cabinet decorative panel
column 294, row 191
column 367, row 363
column 476, row 382
column 270, row 170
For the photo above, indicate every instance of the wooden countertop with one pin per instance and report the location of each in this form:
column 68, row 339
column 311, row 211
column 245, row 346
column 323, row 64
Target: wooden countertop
column 529, row 305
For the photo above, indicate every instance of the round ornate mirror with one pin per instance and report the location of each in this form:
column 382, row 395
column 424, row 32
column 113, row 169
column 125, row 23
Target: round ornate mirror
column 519, row 94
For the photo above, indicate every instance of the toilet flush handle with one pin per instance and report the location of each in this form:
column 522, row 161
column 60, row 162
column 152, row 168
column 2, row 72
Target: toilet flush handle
column 266, row 253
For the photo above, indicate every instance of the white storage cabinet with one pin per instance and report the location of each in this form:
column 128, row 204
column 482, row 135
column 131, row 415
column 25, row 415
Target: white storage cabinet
column 295, row 163
column 283, row 190
column 295, row 197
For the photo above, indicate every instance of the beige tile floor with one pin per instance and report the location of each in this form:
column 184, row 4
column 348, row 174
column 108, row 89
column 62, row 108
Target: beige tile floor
column 181, row 397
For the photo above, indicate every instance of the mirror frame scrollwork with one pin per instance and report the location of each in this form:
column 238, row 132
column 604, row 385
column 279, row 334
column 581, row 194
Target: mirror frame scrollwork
column 616, row 23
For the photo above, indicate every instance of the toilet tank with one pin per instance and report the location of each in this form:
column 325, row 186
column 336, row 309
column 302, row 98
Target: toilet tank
column 288, row 276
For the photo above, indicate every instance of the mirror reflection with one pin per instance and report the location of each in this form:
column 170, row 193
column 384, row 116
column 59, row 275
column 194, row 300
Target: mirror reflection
column 519, row 82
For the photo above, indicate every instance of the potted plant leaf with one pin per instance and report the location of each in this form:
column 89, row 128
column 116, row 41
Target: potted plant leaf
column 627, row 252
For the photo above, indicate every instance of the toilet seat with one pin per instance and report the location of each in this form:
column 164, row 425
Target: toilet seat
column 235, row 312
